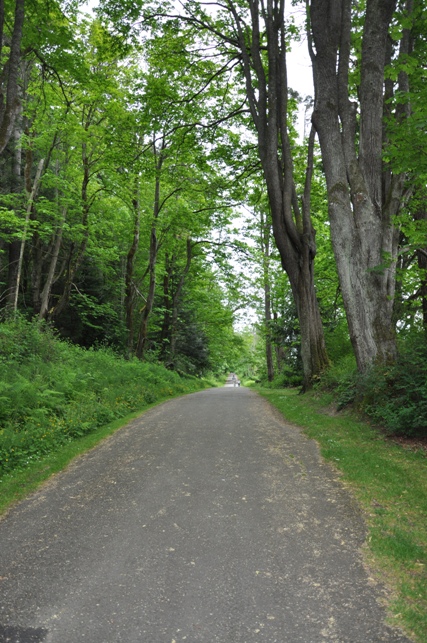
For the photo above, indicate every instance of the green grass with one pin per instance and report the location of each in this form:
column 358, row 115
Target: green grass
column 390, row 483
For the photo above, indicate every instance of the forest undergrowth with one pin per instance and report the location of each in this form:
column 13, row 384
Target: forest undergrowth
column 53, row 392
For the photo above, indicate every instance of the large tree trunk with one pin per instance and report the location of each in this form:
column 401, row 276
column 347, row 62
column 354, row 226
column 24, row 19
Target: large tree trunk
column 362, row 198
column 9, row 78
column 265, row 72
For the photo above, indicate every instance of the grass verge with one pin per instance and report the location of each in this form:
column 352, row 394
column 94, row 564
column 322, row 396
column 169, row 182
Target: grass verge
column 390, row 483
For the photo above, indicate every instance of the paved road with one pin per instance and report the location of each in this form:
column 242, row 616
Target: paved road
column 206, row 520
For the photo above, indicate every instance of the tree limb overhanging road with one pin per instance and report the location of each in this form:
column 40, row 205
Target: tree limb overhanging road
column 208, row 519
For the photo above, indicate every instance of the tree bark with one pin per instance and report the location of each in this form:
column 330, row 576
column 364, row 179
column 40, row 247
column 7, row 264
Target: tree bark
column 47, row 288
column 148, row 307
column 265, row 248
column 130, row 261
column 265, row 74
column 9, row 87
column 362, row 197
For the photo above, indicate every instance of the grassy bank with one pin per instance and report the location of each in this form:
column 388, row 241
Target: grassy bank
column 58, row 400
column 390, row 483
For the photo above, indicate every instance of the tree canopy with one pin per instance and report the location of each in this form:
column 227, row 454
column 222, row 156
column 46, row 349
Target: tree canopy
column 154, row 186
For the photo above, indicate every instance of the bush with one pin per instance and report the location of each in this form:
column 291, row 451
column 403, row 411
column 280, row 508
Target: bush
column 338, row 343
column 394, row 397
column 342, row 379
column 397, row 396
column 288, row 378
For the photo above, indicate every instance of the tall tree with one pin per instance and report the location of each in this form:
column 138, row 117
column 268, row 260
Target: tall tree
column 10, row 55
column 405, row 153
column 364, row 195
column 250, row 41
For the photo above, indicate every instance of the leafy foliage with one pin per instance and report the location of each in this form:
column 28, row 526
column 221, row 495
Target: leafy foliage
column 103, row 100
column 52, row 392
column 396, row 397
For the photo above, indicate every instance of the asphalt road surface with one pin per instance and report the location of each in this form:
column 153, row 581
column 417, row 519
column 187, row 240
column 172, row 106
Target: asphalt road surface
column 208, row 519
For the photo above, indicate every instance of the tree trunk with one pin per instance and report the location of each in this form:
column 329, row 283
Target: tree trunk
column 265, row 72
column 167, row 302
column 421, row 215
column 176, row 298
column 56, row 246
column 31, row 198
column 36, row 271
column 362, row 199
column 278, row 349
column 16, row 187
column 265, row 248
column 146, row 311
column 3, row 270
column 13, row 261
column 9, row 83
column 38, row 256
column 130, row 261
column 77, row 252
column 268, row 343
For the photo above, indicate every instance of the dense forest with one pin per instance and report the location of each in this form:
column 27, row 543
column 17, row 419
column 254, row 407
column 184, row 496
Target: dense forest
column 156, row 192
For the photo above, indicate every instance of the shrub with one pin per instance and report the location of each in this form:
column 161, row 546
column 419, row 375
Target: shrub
column 393, row 396
column 288, row 378
column 342, row 379
column 338, row 343
column 397, row 396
